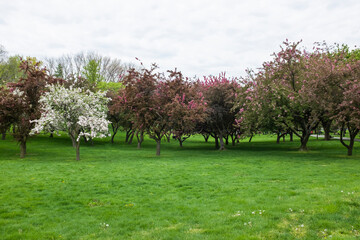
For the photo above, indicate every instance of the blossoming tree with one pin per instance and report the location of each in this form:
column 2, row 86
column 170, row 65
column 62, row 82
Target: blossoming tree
column 28, row 90
column 78, row 112
column 186, row 108
column 220, row 94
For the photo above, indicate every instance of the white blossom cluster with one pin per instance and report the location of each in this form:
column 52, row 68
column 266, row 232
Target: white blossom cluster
column 79, row 112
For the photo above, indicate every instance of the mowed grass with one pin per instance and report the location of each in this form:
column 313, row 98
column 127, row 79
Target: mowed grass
column 257, row 190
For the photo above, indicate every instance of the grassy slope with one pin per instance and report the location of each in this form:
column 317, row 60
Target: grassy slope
column 191, row 193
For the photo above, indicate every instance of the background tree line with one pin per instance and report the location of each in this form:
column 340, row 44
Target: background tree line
column 293, row 94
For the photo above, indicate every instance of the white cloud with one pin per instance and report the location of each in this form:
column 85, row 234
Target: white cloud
column 198, row 37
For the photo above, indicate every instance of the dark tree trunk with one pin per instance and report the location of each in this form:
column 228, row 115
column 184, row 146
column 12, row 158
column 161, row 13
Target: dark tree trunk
column 140, row 139
column 353, row 133
column 304, row 140
column 284, row 137
column 158, row 143
column 3, row 135
column 251, row 138
column 222, row 145
column 112, row 137
column 181, row 142
column 216, row 142
column 291, row 136
column 233, row 139
column 131, row 137
column 206, row 137
column 226, row 140
column 327, row 127
column 278, row 136
column 51, row 135
column 168, row 136
column 115, row 129
column 22, row 149
column 127, row 135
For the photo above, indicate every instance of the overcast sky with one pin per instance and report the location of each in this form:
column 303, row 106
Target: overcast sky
column 199, row 37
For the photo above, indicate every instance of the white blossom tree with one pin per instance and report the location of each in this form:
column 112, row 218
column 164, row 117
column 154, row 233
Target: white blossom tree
column 78, row 112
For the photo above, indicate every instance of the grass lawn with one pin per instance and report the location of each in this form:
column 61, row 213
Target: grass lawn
column 257, row 190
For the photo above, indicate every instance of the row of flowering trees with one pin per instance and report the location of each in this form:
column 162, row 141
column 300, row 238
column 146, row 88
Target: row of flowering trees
column 299, row 90
column 160, row 104
column 292, row 94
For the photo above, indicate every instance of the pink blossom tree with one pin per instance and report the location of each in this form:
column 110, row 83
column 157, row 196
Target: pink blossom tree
column 220, row 93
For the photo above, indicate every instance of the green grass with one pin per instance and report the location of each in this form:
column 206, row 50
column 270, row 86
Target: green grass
column 192, row 193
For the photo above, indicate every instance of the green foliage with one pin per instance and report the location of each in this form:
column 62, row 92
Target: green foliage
column 355, row 54
column 59, row 72
column 110, row 86
column 10, row 71
column 119, row 192
column 92, row 71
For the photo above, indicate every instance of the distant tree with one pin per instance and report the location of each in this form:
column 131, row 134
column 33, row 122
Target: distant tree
column 10, row 70
column 59, row 72
column 91, row 72
column 2, row 53
column 111, row 69
column 78, row 112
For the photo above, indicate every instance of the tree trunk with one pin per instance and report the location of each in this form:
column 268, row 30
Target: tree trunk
column 226, row 140
column 73, row 139
column 291, row 136
column 353, row 133
column 168, row 137
column 216, row 142
column 304, row 141
column 278, row 138
column 206, row 137
column 351, row 146
column 22, row 149
column 251, row 138
column 158, row 142
column 77, row 147
column 327, row 126
column 3, row 135
column 222, row 145
column 115, row 129
column 181, row 142
column 284, row 137
column 127, row 135
column 233, row 138
column 112, row 137
column 140, row 139
column 131, row 137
